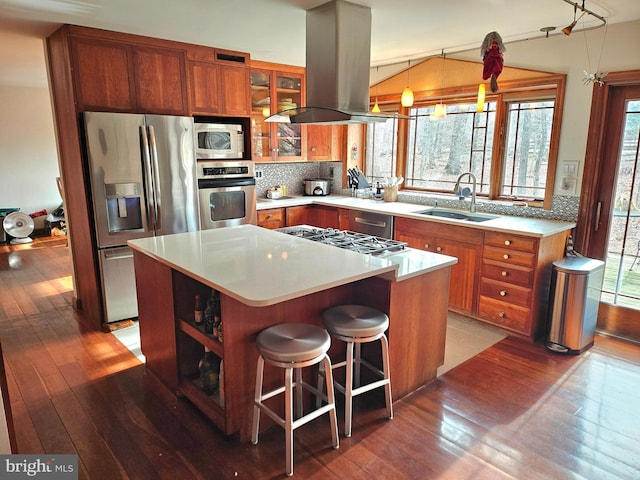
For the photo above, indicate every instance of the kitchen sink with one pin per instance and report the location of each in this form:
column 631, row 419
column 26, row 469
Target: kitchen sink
column 457, row 215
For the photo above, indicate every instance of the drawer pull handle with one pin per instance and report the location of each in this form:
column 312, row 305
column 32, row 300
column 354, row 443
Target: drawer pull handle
column 505, row 273
column 269, row 216
column 506, row 256
column 439, row 249
column 507, row 242
column 502, row 314
column 503, row 293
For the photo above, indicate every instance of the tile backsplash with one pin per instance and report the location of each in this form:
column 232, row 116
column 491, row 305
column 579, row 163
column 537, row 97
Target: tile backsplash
column 292, row 174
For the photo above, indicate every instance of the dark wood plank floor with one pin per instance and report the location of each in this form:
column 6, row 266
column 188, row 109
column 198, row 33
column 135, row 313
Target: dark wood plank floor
column 515, row 411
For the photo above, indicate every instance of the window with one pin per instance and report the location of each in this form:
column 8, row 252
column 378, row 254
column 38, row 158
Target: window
column 381, row 151
column 439, row 150
column 526, row 158
column 510, row 147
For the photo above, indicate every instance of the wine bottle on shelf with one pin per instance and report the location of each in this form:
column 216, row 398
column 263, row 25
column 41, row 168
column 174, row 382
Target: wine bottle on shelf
column 209, row 367
column 198, row 313
column 208, row 317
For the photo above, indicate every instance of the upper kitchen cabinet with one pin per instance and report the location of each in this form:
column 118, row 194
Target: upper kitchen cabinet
column 274, row 90
column 326, row 142
column 116, row 75
column 218, row 82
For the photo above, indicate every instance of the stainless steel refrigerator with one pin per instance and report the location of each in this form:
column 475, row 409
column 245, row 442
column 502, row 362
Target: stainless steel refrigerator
column 143, row 182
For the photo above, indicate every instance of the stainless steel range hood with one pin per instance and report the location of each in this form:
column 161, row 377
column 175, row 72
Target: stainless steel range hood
column 338, row 62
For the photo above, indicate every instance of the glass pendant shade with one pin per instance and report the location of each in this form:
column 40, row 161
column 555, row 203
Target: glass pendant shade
column 407, row 97
column 440, row 111
column 266, row 111
column 481, row 91
column 376, row 107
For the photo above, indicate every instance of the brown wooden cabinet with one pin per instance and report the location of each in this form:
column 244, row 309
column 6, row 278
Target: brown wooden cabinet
column 296, row 215
column 159, row 80
column 271, row 218
column 280, row 217
column 326, row 142
column 463, row 243
column 274, row 88
column 514, row 285
column 218, row 82
column 322, row 216
column 500, row 278
column 113, row 75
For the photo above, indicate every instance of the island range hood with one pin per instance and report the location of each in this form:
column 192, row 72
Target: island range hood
column 338, row 38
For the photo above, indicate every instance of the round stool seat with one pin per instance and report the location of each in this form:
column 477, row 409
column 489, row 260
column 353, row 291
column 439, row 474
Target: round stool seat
column 293, row 342
column 356, row 321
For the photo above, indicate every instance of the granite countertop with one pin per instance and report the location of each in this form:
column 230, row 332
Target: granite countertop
column 501, row 223
column 261, row 267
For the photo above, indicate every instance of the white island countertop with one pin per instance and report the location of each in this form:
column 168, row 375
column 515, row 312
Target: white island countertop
column 261, row 267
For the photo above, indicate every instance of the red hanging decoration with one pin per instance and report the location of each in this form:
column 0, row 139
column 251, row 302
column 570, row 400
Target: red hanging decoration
column 491, row 51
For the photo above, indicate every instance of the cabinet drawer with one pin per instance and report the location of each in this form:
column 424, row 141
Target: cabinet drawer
column 505, row 292
column 506, row 315
column 505, row 272
column 426, row 228
column 509, row 256
column 511, row 242
column 271, row 218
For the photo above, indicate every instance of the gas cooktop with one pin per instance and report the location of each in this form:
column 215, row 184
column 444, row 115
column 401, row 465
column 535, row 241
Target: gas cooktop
column 358, row 242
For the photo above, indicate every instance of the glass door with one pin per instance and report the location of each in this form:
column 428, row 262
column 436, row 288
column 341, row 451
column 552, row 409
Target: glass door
column 289, row 96
column 608, row 226
column 622, row 272
column 260, row 110
column 273, row 92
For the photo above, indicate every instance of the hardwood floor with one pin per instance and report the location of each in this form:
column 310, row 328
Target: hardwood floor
column 515, row 411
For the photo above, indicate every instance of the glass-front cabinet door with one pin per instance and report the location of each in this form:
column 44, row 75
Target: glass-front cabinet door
column 272, row 92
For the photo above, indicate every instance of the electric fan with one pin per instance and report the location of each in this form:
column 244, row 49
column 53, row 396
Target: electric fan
column 19, row 226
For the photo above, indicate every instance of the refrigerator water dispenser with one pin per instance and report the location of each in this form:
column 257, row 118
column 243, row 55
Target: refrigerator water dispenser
column 124, row 206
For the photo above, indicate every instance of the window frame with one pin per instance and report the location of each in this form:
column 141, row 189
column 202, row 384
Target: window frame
column 547, row 87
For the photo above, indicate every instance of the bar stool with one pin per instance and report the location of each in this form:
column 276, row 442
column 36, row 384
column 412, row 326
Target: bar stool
column 355, row 325
column 293, row 346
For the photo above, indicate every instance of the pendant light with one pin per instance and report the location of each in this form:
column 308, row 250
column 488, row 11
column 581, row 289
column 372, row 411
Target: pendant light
column 406, row 99
column 481, row 92
column 376, row 107
column 441, row 109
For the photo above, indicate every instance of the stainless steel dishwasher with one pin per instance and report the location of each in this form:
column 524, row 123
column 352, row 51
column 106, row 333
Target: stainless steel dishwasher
column 377, row 224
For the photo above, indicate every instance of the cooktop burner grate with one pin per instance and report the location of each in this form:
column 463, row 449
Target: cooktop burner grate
column 359, row 242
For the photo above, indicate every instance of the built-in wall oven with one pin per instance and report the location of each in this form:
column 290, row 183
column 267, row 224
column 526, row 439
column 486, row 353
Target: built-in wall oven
column 226, row 193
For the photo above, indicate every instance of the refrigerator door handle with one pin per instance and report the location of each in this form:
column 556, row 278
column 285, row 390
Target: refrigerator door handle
column 148, row 175
column 157, row 193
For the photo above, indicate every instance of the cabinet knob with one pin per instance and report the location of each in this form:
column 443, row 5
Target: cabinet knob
column 506, row 256
column 502, row 314
column 505, row 273
column 503, row 293
column 438, row 249
column 507, row 242
column 269, row 216
column 427, row 246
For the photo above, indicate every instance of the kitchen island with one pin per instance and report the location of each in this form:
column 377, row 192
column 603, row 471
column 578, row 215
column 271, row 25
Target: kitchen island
column 264, row 278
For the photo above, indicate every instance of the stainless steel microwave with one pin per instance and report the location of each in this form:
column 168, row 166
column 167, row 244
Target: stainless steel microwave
column 219, row 141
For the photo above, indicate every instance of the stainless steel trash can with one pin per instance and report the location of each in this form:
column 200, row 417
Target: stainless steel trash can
column 573, row 307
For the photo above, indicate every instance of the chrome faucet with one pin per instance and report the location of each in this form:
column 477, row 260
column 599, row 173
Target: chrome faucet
column 456, row 188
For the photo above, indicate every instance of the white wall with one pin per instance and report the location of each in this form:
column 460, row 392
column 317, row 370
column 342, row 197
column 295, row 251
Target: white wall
column 28, row 155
